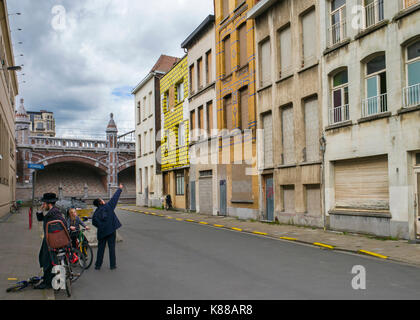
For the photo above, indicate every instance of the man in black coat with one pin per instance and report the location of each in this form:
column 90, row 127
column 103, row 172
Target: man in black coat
column 53, row 214
column 107, row 223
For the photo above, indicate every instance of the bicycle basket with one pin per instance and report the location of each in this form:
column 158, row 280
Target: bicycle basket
column 57, row 235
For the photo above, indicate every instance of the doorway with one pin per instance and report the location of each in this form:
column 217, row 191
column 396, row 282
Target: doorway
column 417, row 195
column 269, row 197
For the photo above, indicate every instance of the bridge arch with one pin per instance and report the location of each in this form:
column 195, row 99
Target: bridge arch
column 74, row 158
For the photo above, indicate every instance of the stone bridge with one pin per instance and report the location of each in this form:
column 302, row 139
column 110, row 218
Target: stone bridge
column 82, row 168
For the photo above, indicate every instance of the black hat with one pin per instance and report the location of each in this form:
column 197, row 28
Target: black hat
column 49, row 198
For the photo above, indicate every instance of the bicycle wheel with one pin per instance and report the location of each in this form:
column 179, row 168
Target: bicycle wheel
column 88, row 253
column 77, row 266
column 16, row 288
column 68, row 286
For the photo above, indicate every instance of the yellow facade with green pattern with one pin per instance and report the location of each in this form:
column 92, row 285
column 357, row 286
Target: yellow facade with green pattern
column 174, row 88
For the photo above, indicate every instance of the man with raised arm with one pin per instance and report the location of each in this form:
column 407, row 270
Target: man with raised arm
column 107, row 223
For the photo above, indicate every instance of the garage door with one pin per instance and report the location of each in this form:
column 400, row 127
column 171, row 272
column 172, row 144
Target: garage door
column 362, row 183
column 206, row 195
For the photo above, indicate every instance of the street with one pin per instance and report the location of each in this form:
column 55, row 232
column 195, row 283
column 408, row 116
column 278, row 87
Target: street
column 161, row 259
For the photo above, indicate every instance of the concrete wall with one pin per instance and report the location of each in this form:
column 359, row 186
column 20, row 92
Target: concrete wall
column 395, row 134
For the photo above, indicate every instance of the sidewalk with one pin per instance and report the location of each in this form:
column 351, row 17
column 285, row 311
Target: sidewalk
column 19, row 249
column 400, row 251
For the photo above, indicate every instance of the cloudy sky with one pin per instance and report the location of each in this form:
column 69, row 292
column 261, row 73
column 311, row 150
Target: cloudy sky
column 82, row 57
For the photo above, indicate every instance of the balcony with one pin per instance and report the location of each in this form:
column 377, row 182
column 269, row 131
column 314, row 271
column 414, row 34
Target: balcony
column 337, row 33
column 338, row 115
column 374, row 13
column 374, row 105
column 411, row 96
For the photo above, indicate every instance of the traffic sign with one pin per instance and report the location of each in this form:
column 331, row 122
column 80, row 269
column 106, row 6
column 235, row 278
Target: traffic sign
column 36, row 166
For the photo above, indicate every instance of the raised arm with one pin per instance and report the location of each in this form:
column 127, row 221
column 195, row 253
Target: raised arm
column 114, row 201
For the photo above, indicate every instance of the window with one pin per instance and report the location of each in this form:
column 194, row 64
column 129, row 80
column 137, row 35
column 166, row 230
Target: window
column 208, row 67
column 181, row 135
column 267, row 122
column 309, row 38
column 374, row 12
column 200, row 73
column 192, row 87
column 140, row 181
column 227, row 56
column 265, row 65
column 285, row 52
column 144, row 108
column 311, row 130
column 412, row 91
column 138, row 112
column 152, row 149
column 243, row 53
column 243, row 105
column 150, row 104
column 179, row 183
column 139, row 139
column 152, row 180
column 4, row 152
column 145, row 143
column 180, row 92
column 225, row 8
column 340, row 98
column 192, row 124
column 409, row 3
column 288, row 197
column 227, row 103
column 337, row 30
column 376, row 93
column 288, row 135
column 200, row 118
column 209, row 117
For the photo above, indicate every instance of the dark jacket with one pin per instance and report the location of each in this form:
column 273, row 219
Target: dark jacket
column 105, row 219
column 52, row 215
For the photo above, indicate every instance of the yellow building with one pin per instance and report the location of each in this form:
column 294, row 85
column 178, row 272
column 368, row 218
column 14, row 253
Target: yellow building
column 8, row 92
column 236, row 117
column 174, row 90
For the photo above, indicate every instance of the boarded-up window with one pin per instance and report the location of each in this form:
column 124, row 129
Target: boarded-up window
column 241, row 183
column 288, row 128
column 140, row 181
column 152, row 180
column 227, row 56
column 227, row 102
column 145, row 146
column 313, row 200
column 243, row 54
column 192, row 124
column 209, row 117
column 139, row 140
column 267, row 121
column 244, row 114
column 288, row 199
column 199, row 73
column 311, row 129
column 192, row 80
column 362, row 183
column 209, row 61
column 285, row 52
column 200, row 118
column 265, row 63
column 309, row 38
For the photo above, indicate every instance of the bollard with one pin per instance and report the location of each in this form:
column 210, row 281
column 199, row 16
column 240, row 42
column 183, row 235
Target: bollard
column 30, row 218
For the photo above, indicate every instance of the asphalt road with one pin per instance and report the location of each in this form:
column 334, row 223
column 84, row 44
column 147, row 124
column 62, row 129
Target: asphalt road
column 163, row 259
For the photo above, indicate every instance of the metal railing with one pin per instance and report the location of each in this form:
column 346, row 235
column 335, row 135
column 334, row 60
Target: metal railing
column 339, row 114
column 374, row 13
column 337, row 33
column 374, row 105
column 411, row 96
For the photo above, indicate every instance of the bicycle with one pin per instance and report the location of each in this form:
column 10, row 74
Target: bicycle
column 19, row 286
column 83, row 246
column 15, row 207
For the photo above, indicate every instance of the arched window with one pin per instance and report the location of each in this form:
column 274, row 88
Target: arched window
column 376, row 91
column 411, row 93
column 340, row 97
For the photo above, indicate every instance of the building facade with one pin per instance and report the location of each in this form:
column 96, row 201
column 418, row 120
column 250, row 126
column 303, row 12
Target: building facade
column 174, row 89
column 148, row 128
column 236, row 109
column 371, row 113
column 42, row 123
column 289, row 111
column 8, row 92
column 203, row 118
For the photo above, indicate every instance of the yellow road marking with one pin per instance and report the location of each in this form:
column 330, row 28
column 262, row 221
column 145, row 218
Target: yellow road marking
column 179, row 219
column 374, row 254
column 189, row 220
column 236, row 229
column 323, row 245
column 168, row 217
column 218, row 225
column 12, row 279
column 202, row 222
column 287, row 238
column 260, row 233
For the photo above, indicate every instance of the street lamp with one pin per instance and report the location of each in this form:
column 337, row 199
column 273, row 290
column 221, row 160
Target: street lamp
column 13, row 68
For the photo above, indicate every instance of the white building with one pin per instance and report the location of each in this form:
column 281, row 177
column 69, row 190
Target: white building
column 148, row 126
column 371, row 98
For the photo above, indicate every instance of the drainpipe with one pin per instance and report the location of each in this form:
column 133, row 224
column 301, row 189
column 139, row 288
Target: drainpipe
column 323, row 147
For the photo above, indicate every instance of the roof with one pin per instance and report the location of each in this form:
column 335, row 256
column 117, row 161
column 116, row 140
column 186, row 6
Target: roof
column 164, row 63
column 196, row 33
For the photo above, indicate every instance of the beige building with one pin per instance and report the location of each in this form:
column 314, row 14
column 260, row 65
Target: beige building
column 8, row 92
column 42, row 123
column 203, row 118
column 289, row 117
column 371, row 115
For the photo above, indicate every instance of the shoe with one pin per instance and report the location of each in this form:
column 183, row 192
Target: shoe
column 113, row 268
column 97, row 268
column 42, row 286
